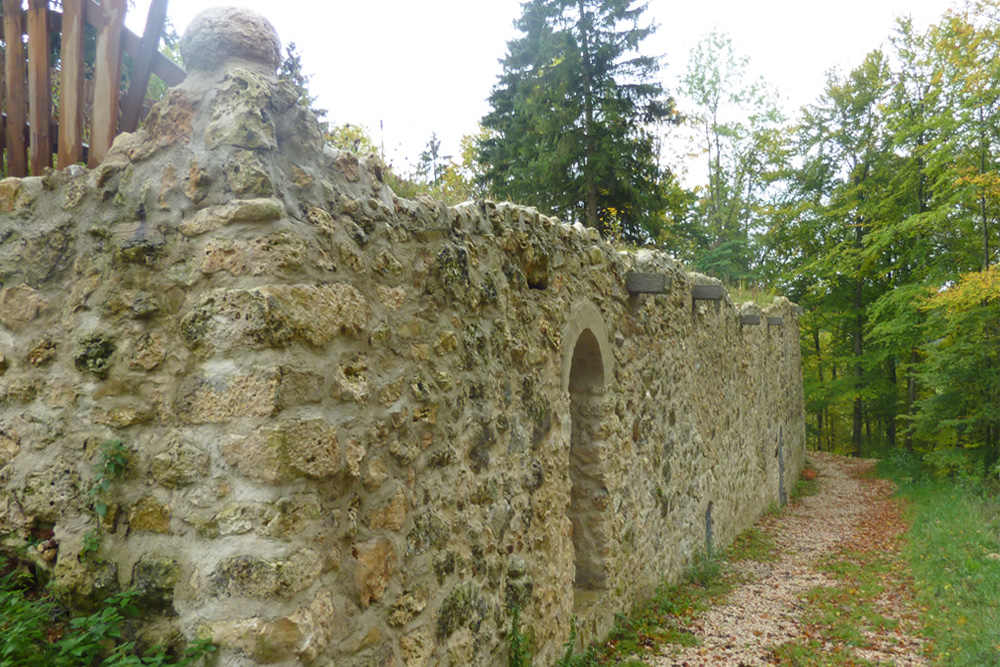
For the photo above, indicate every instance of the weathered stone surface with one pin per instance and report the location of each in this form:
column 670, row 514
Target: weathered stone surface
column 222, row 33
column 257, row 257
column 275, row 316
column 204, row 400
column 392, row 515
column 154, row 578
column 294, row 448
column 149, row 352
column 20, row 305
column 303, row 635
column 239, row 210
column 417, row 646
column 251, row 576
column 149, row 515
column 180, row 464
column 371, row 565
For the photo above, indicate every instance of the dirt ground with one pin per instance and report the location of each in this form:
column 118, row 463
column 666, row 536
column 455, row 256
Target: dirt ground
column 850, row 511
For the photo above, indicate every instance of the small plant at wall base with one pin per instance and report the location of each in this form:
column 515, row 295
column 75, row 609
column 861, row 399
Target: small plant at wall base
column 111, row 465
column 36, row 631
column 520, row 643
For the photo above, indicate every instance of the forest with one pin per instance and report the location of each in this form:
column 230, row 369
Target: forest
column 875, row 208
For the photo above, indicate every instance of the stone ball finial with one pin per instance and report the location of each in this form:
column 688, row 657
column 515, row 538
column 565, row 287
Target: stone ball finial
column 221, row 33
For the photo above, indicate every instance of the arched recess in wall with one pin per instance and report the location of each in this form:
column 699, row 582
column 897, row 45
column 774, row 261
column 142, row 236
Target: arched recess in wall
column 586, row 372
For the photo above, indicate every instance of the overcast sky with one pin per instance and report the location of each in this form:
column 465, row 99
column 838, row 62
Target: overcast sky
column 423, row 66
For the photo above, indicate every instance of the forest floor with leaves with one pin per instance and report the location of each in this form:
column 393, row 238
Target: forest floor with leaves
column 828, row 588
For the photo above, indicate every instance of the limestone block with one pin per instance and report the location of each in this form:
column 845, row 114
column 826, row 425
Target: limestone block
column 294, row 448
column 42, row 352
column 203, row 400
column 251, row 576
column 9, row 448
column 317, row 314
column 371, row 567
column 149, row 352
column 180, row 464
column 239, row 210
column 20, row 305
column 268, row 255
column 155, row 577
column 51, row 490
column 391, row 515
column 273, row 316
column 147, row 514
column 416, row 647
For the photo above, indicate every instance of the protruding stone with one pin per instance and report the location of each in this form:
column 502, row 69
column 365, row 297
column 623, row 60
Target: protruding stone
column 220, row 34
column 20, row 305
column 372, row 565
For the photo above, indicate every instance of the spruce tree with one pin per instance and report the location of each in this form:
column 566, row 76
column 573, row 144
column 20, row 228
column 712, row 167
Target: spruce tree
column 574, row 115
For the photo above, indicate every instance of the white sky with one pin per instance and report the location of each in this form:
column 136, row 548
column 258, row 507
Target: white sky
column 423, row 66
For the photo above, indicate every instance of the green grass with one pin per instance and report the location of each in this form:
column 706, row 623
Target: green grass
column 954, row 529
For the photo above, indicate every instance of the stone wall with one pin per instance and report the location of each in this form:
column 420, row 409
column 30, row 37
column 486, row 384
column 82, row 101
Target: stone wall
column 361, row 430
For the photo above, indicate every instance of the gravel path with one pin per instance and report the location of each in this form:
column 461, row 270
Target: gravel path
column 849, row 511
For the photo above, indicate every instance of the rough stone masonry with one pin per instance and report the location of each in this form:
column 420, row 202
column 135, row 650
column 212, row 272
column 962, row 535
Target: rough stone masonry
column 360, row 430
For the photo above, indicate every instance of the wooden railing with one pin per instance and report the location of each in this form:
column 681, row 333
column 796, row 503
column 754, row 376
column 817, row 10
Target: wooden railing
column 32, row 133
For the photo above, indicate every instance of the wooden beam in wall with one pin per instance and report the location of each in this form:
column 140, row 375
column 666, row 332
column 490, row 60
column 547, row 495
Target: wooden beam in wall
column 774, row 321
column 648, row 283
column 749, row 319
column 707, row 292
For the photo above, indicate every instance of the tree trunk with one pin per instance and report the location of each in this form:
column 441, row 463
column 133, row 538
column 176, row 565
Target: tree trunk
column 911, row 398
column 589, row 174
column 890, row 423
column 858, row 348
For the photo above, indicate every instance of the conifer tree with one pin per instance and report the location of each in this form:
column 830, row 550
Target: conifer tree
column 574, row 114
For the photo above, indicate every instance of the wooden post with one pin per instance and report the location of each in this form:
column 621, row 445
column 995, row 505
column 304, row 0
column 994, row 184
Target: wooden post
column 17, row 150
column 107, row 80
column 39, row 86
column 143, row 67
column 71, row 99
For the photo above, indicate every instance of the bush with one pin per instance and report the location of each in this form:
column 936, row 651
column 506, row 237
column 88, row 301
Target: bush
column 958, row 465
column 35, row 630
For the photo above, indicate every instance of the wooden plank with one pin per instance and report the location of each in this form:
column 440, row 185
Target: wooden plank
column 39, row 86
column 774, row 321
column 71, row 99
column 142, row 68
column 171, row 73
column 749, row 319
column 17, row 103
column 707, row 292
column 107, row 80
column 647, row 283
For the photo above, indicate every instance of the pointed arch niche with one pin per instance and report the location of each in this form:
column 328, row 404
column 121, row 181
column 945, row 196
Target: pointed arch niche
column 586, row 371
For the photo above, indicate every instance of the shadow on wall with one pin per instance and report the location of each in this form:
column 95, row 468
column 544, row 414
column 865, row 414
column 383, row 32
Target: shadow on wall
column 589, row 495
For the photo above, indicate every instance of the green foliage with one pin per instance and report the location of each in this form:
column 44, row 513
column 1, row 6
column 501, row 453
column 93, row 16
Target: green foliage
column 519, row 649
column 111, row 464
column 290, row 70
column 573, row 117
column 36, row 631
column 951, row 549
column 91, row 546
column 742, row 137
